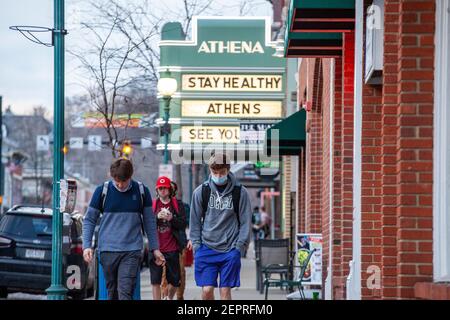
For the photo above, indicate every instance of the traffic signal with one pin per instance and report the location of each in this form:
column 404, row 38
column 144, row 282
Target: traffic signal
column 65, row 149
column 127, row 149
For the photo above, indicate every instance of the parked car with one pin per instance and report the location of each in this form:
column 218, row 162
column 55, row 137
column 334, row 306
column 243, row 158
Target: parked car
column 26, row 253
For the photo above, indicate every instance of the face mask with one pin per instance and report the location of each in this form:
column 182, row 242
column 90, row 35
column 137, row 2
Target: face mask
column 219, row 180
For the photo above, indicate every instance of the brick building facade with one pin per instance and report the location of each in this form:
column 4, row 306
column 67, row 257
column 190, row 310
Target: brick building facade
column 372, row 178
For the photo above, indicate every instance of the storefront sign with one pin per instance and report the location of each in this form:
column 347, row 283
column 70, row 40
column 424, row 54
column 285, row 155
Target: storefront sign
column 253, row 133
column 209, row 134
column 226, row 73
column 97, row 120
column 231, row 82
column 231, row 109
column 230, row 47
column 305, row 243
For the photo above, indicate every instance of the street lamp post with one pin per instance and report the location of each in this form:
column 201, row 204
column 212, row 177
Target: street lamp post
column 167, row 86
column 57, row 291
column 166, row 128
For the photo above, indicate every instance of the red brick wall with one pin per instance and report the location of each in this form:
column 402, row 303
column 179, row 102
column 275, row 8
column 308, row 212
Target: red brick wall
column 314, row 149
column 338, row 278
column 415, row 145
column 371, row 179
column 301, row 227
column 347, row 151
column 397, row 142
column 326, row 156
column 302, row 84
column 371, row 187
column 407, row 141
column 389, row 147
column 317, row 82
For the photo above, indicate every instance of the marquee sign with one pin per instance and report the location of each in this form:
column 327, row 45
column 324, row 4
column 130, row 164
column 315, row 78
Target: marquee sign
column 226, row 73
column 230, row 47
column 210, row 134
column 231, row 109
column 232, row 82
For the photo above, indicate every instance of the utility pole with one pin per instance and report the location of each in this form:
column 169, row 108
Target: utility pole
column 57, row 291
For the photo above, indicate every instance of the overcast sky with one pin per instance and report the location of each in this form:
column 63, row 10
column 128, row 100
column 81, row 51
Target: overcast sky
column 26, row 69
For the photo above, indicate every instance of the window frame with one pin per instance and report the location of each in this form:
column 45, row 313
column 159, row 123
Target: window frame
column 441, row 149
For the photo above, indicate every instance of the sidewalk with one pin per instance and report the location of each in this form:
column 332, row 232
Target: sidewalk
column 247, row 291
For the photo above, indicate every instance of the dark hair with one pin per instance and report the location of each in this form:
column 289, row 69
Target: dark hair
column 219, row 161
column 263, row 208
column 255, row 208
column 121, row 169
column 174, row 188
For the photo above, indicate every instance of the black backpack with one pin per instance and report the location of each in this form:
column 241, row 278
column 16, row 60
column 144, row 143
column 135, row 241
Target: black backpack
column 206, row 194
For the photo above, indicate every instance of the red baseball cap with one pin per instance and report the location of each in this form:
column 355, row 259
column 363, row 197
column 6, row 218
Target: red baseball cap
column 163, row 182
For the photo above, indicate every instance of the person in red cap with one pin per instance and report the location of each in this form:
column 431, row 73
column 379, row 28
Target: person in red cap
column 170, row 220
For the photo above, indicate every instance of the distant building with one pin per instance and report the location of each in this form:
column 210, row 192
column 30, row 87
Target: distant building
column 20, row 155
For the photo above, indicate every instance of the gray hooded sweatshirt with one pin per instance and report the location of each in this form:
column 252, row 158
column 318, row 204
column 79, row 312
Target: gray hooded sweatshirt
column 220, row 230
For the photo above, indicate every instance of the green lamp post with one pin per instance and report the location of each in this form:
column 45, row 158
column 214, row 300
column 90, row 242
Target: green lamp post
column 57, row 291
column 167, row 86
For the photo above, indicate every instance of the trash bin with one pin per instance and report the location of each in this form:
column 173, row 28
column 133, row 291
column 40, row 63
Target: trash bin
column 101, row 282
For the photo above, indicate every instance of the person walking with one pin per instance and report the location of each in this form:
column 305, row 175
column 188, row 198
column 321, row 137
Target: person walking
column 220, row 224
column 171, row 223
column 266, row 222
column 125, row 208
column 256, row 224
column 184, row 208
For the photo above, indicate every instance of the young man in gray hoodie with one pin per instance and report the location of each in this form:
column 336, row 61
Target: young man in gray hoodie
column 220, row 224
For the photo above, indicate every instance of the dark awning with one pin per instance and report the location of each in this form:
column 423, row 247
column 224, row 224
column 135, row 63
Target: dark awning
column 312, row 45
column 322, row 15
column 314, row 27
column 291, row 134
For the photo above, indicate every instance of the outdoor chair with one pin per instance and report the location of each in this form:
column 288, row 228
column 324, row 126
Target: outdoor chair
column 272, row 257
column 298, row 282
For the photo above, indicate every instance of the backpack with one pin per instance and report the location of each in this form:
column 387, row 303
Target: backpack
column 179, row 234
column 142, row 192
column 236, row 197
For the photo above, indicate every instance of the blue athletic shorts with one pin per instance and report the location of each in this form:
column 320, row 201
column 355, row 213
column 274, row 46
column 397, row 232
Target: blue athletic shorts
column 209, row 264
